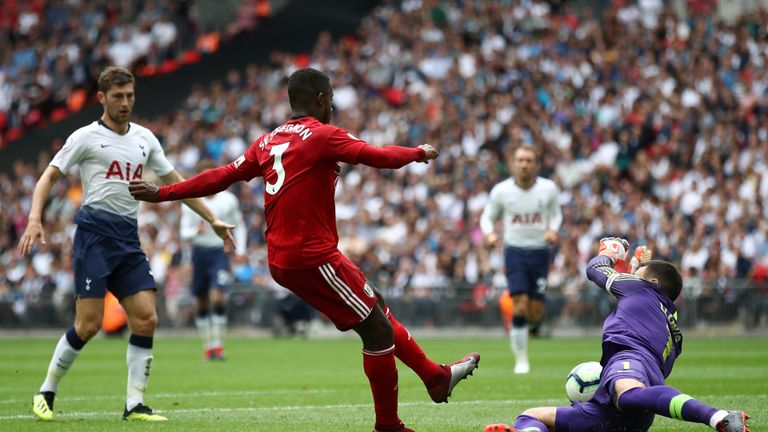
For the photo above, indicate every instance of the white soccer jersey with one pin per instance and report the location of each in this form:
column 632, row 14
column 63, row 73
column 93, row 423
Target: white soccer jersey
column 527, row 214
column 108, row 161
column 227, row 208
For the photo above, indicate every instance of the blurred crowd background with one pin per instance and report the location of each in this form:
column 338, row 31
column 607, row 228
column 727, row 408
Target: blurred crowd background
column 651, row 116
column 53, row 50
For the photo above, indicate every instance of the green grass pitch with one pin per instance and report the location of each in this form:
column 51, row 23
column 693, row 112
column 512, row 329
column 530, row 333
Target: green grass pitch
column 319, row 385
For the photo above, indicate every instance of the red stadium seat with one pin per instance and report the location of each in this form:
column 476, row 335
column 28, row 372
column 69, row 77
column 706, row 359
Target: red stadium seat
column 12, row 134
column 168, row 66
column 146, row 70
column 208, row 42
column 263, row 8
column 302, row 60
column 59, row 114
column 192, row 56
column 33, row 118
column 76, row 100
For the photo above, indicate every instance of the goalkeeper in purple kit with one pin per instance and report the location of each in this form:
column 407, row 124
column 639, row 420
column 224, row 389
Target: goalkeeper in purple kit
column 641, row 341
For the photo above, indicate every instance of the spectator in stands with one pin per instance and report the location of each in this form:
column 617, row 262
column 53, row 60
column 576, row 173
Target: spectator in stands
column 627, row 134
column 54, row 49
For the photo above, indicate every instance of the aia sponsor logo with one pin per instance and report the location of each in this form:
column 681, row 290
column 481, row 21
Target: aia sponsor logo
column 527, row 218
column 124, row 172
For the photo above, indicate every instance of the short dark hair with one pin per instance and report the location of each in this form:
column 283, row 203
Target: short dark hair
column 114, row 76
column 305, row 84
column 669, row 277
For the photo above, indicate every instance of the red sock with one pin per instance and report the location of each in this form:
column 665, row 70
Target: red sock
column 380, row 368
column 410, row 353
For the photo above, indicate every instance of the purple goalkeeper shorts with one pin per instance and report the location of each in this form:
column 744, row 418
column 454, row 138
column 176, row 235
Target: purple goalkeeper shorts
column 600, row 414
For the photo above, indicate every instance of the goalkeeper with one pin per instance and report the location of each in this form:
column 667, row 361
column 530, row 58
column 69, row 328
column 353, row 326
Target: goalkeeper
column 641, row 341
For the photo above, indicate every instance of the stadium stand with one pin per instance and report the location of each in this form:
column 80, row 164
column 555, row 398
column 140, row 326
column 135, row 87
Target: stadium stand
column 661, row 133
column 54, row 51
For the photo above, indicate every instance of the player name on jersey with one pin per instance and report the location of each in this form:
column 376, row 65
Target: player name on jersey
column 295, row 128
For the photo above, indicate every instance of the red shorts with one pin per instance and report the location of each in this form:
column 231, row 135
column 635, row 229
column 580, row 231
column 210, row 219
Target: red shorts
column 337, row 288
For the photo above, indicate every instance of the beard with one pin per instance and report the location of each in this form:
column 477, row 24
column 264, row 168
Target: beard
column 118, row 117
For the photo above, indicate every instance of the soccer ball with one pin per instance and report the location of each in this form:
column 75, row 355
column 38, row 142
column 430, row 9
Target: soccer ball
column 583, row 381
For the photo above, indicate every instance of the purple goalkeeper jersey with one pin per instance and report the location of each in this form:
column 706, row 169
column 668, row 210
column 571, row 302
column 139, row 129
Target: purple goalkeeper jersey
column 645, row 320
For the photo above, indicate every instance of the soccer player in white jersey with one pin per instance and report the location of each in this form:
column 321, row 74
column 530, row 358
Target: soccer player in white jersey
column 529, row 207
column 106, row 251
column 210, row 265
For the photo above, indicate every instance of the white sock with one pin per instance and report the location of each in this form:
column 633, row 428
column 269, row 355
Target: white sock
column 63, row 357
column 716, row 417
column 203, row 325
column 218, row 328
column 139, row 363
column 518, row 338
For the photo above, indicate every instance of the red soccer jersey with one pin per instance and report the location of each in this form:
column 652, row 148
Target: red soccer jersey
column 299, row 161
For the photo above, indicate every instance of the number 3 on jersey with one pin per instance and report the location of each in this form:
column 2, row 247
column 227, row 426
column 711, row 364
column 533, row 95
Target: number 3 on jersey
column 277, row 151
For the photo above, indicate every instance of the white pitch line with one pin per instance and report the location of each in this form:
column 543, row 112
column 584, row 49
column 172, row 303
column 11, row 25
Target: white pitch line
column 282, row 408
column 178, row 395
column 527, row 402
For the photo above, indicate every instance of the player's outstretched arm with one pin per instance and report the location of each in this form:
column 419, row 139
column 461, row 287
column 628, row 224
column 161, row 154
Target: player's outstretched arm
column 34, row 230
column 208, row 182
column 142, row 190
column 600, row 268
column 341, row 146
column 393, row 157
column 430, row 153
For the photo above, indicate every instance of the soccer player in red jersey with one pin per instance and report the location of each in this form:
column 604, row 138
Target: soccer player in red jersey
column 299, row 162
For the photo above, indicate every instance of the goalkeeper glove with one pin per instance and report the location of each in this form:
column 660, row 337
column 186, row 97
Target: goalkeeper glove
column 642, row 256
column 614, row 247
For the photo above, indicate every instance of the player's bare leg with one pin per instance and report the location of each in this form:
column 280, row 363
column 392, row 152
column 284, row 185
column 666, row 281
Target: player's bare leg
column 88, row 317
column 518, row 333
column 142, row 320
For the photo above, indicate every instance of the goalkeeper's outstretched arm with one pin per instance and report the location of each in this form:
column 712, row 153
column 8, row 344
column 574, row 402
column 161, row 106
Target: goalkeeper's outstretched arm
column 599, row 269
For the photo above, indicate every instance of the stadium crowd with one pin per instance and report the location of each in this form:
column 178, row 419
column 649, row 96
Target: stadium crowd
column 654, row 126
column 54, row 50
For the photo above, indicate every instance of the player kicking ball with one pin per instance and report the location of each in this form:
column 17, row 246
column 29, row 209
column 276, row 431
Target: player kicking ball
column 641, row 341
column 299, row 162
